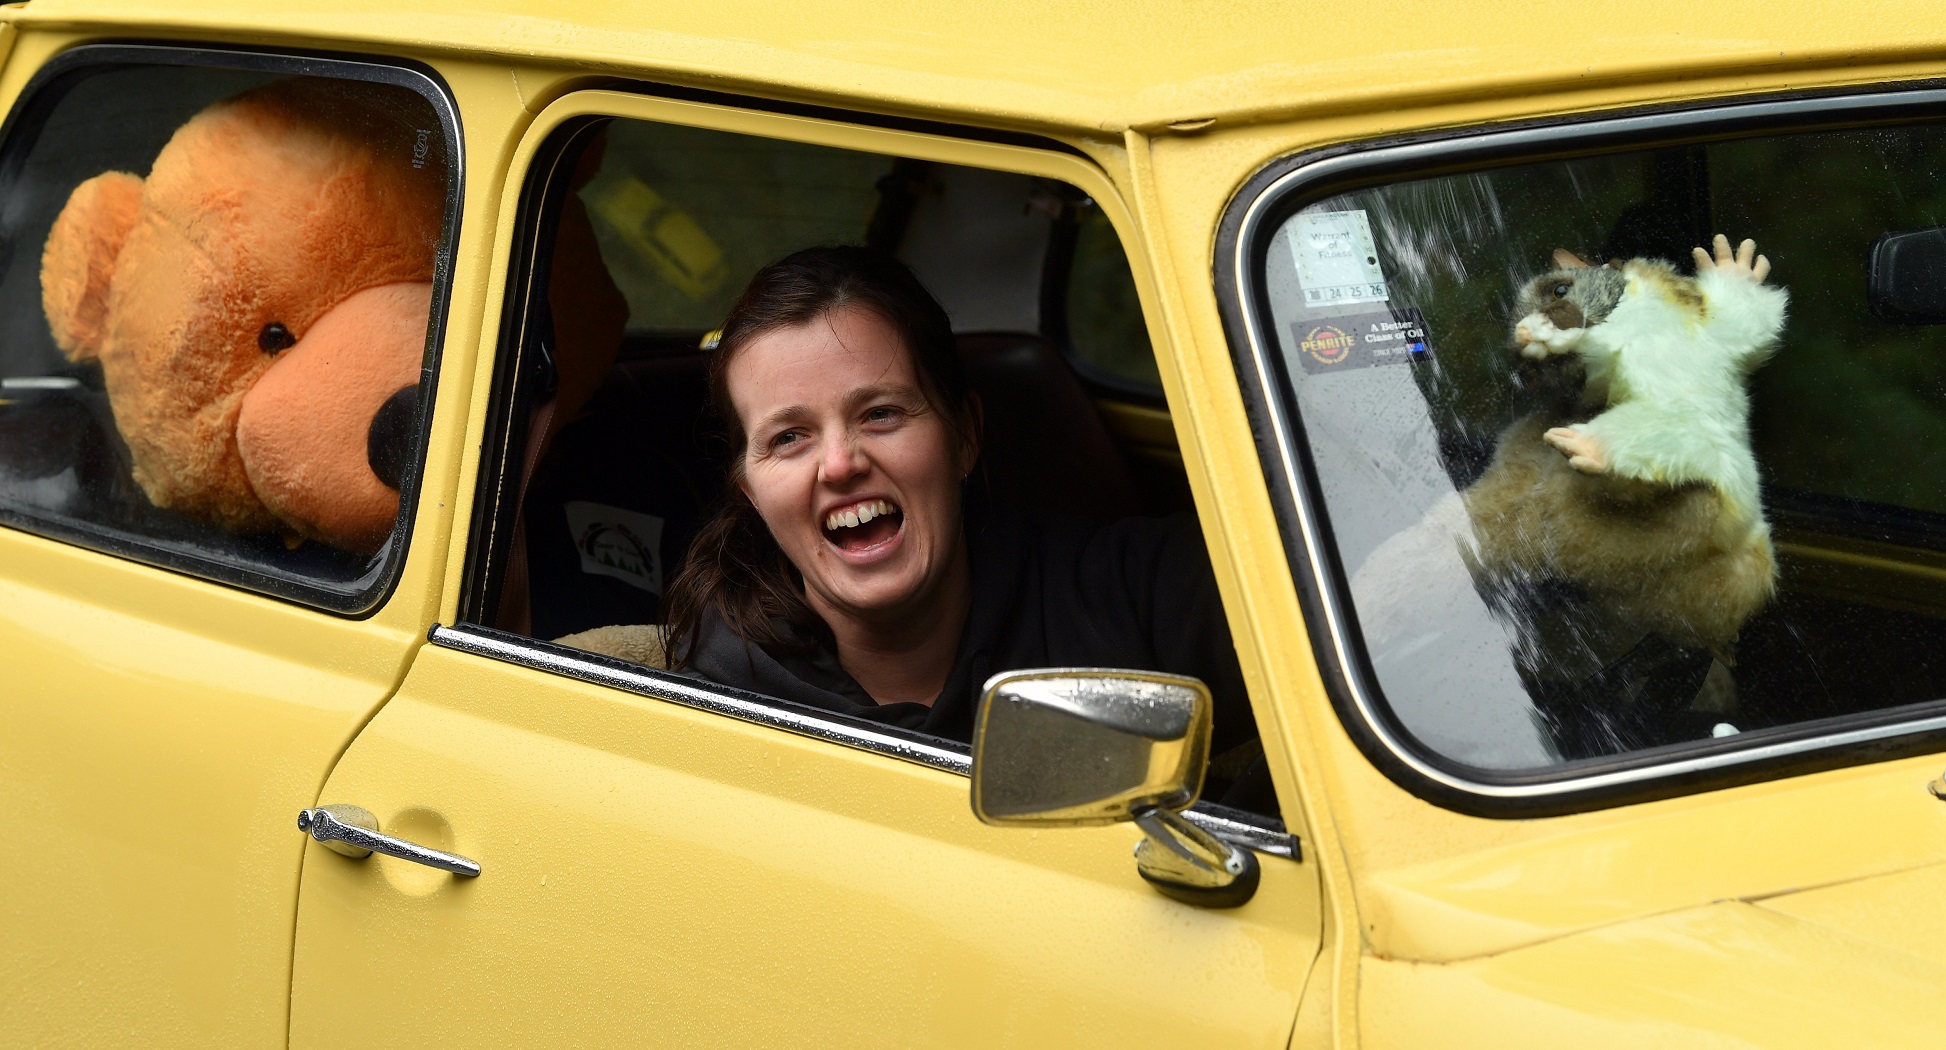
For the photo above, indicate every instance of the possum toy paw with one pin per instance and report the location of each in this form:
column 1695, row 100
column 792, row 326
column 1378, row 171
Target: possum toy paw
column 1538, row 338
column 1584, row 453
column 1745, row 263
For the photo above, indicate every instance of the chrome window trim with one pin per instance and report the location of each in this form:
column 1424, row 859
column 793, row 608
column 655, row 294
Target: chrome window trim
column 662, row 685
column 1340, row 169
column 749, row 707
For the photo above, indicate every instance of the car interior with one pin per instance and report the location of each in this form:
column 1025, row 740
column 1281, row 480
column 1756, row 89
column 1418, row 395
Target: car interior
column 1027, row 269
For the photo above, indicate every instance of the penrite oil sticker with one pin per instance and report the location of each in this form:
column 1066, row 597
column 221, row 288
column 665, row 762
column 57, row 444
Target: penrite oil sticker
column 1393, row 336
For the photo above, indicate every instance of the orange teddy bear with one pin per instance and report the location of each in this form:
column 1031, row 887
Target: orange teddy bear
column 259, row 306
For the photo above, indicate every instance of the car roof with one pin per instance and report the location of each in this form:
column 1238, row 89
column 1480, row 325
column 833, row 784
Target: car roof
column 1102, row 65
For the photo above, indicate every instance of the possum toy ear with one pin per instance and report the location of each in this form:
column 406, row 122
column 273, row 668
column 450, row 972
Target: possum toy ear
column 1567, row 260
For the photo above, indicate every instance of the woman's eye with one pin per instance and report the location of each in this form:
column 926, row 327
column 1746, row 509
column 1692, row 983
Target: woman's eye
column 881, row 414
column 787, row 439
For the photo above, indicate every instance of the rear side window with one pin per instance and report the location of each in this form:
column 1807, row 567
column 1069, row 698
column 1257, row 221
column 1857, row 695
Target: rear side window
column 1592, row 512
column 216, row 311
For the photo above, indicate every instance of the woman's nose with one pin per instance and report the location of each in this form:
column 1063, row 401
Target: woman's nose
column 843, row 460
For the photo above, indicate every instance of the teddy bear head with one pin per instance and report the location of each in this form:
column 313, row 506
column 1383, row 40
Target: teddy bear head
column 259, row 305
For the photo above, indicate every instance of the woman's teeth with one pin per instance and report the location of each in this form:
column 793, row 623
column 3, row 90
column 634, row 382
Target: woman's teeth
column 858, row 514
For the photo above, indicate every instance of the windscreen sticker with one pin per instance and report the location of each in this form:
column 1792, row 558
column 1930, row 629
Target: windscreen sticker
column 1394, row 336
column 1337, row 260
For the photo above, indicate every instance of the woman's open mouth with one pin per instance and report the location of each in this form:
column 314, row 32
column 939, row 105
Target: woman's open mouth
column 863, row 525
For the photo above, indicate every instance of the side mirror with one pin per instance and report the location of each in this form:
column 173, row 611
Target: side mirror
column 1074, row 747
column 1906, row 277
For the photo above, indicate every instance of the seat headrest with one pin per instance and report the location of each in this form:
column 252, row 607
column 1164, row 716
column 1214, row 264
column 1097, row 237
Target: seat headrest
column 1045, row 446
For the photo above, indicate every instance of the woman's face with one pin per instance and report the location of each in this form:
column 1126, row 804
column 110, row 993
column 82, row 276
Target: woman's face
column 856, row 474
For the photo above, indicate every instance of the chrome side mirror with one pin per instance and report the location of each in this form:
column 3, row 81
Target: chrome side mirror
column 1072, row 747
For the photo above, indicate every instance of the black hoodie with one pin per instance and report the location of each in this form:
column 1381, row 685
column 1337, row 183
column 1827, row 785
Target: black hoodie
column 1047, row 592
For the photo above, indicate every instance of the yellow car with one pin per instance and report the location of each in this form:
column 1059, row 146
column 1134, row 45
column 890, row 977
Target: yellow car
column 1568, row 734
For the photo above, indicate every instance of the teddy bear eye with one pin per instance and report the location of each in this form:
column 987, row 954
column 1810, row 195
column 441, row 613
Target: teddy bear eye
column 275, row 337
column 1561, row 290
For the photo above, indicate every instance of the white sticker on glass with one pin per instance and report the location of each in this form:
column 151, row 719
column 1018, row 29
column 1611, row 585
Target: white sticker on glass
column 1337, row 261
column 622, row 544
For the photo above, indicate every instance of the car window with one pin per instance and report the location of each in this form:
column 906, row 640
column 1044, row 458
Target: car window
column 214, row 313
column 685, row 215
column 616, row 463
column 1101, row 316
column 1642, row 505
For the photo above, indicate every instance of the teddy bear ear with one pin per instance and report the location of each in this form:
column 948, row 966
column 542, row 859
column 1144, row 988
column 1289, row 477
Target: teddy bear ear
column 79, row 260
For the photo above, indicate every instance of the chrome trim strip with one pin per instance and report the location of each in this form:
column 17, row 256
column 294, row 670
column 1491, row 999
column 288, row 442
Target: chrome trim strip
column 1484, row 146
column 663, row 686
column 667, row 687
column 1249, row 836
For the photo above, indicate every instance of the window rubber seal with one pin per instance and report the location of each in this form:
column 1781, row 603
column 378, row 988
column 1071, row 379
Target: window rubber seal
column 1284, row 186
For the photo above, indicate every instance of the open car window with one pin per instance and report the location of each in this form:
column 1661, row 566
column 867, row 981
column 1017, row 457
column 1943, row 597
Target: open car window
column 648, row 234
column 1591, row 517
column 216, row 312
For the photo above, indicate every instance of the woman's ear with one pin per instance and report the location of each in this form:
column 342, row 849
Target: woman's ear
column 78, row 264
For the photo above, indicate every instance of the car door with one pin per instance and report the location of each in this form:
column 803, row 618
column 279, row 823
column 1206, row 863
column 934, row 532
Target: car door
column 669, row 861
column 173, row 690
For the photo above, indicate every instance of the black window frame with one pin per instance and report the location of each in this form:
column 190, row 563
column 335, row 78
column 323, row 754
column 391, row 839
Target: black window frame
column 1285, row 186
column 365, row 594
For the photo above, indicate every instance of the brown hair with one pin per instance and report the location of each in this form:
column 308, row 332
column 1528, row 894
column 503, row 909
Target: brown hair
column 734, row 566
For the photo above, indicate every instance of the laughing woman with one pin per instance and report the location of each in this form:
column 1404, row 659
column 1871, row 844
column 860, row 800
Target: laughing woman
column 844, row 568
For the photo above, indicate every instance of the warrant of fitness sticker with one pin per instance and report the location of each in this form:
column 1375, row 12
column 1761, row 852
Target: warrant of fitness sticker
column 1337, row 260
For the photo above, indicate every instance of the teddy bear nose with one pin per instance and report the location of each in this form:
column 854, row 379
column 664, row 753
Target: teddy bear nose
column 275, row 337
column 390, row 437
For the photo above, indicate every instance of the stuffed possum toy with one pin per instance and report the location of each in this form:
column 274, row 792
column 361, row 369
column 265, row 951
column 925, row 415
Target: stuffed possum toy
column 1637, row 484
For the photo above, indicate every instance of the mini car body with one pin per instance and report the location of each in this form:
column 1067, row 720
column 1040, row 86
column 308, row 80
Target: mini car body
column 1255, row 262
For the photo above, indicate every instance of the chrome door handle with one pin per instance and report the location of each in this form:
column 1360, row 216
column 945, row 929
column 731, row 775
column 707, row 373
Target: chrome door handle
column 353, row 831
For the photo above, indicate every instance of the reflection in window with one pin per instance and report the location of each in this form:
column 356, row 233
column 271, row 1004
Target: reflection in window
column 684, row 216
column 1522, row 606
